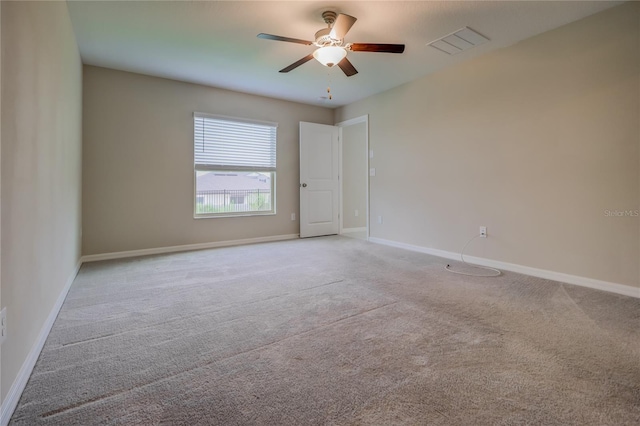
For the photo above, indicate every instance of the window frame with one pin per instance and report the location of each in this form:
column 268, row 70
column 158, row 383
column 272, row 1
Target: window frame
column 232, row 169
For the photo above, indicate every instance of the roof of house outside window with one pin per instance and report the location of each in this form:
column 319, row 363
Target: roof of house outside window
column 233, row 181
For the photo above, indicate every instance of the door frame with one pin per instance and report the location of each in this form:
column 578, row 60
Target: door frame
column 346, row 123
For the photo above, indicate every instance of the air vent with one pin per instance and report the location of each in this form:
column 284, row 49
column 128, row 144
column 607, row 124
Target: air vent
column 459, row 41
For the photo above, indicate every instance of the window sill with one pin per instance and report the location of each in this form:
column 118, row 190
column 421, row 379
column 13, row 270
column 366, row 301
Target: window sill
column 227, row 215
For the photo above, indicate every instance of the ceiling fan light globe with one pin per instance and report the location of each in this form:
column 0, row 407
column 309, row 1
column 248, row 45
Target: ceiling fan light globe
column 330, row 55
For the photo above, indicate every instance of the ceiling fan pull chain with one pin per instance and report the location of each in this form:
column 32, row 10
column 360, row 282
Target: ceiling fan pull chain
column 329, row 84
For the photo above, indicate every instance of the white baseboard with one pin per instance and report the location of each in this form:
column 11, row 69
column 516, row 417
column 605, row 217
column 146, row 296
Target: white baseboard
column 526, row 270
column 352, row 230
column 186, row 247
column 11, row 401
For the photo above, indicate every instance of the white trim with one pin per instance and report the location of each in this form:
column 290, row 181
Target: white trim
column 352, row 121
column 187, row 247
column 11, row 401
column 623, row 289
column 352, row 230
column 340, row 183
column 346, row 123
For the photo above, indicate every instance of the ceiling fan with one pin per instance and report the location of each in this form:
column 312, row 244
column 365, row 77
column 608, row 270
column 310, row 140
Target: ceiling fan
column 331, row 47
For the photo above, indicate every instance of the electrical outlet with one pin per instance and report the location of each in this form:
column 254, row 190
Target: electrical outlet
column 3, row 324
column 293, row 216
column 357, row 213
column 483, row 232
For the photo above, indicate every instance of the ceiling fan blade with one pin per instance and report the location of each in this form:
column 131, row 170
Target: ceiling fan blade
column 298, row 63
column 376, row 47
column 347, row 67
column 280, row 38
column 342, row 26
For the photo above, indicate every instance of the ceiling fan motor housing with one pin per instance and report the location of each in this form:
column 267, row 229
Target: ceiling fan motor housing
column 324, row 39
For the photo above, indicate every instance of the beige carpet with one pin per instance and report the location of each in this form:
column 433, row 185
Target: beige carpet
column 332, row 331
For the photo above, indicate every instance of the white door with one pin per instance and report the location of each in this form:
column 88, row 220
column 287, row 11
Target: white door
column 319, row 185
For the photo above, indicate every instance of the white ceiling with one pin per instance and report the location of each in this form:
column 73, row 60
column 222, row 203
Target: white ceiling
column 214, row 42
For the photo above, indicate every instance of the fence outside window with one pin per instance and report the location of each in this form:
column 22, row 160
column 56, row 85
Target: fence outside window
column 237, row 200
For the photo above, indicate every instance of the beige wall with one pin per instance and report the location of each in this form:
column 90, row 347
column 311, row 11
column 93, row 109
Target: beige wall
column 534, row 141
column 138, row 161
column 41, row 169
column 354, row 175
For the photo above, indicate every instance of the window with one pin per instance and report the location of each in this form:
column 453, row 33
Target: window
column 234, row 166
column 237, row 199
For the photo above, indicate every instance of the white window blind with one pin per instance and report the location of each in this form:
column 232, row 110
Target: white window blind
column 225, row 142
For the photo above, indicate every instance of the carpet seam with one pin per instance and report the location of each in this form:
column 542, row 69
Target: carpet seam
column 107, row 396
column 215, row 310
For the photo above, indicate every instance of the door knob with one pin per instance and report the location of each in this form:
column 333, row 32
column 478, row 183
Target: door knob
column 304, row 185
